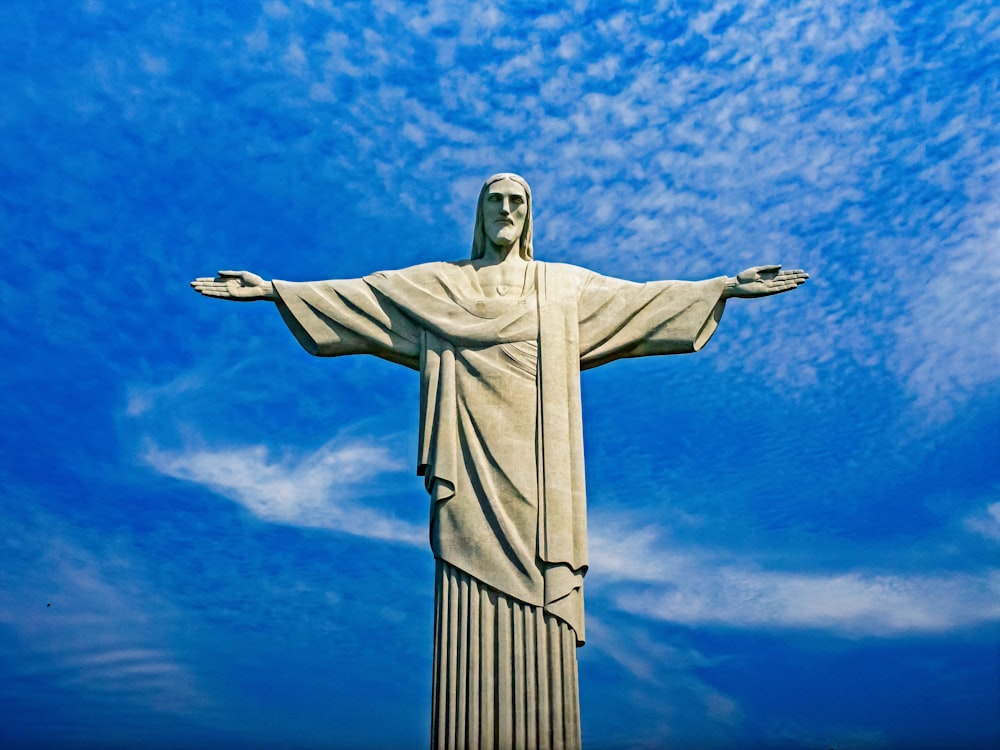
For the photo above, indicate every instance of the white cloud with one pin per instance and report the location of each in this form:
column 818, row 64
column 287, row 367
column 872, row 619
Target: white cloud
column 986, row 522
column 640, row 654
column 314, row 490
column 696, row 587
column 142, row 399
column 947, row 347
column 276, row 10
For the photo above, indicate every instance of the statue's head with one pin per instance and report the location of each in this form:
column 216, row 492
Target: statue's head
column 482, row 235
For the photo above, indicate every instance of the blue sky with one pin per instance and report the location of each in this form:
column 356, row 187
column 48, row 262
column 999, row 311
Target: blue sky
column 212, row 539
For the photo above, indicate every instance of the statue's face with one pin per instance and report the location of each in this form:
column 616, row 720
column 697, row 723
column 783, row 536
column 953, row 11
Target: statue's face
column 505, row 208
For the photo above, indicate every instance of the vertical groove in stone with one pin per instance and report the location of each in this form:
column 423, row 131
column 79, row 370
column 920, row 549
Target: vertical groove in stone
column 505, row 689
column 451, row 646
column 437, row 715
column 568, row 717
column 555, row 682
column 544, row 653
column 531, row 676
column 487, row 638
column 572, row 692
column 462, row 679
column 472, row 634
column 504, row 673
column 518, row 708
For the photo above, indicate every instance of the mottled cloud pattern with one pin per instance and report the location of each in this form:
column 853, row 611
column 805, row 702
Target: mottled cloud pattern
column 215, row 539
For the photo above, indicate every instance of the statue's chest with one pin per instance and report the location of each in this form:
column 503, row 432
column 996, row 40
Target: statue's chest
column 495, row 281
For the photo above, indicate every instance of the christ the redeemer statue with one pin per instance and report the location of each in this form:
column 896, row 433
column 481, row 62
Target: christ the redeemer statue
column 499, row 341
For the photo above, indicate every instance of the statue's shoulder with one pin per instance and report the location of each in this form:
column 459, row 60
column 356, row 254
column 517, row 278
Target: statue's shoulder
column 439, row 279
column 567, row 274
column 438, row 269
column 564, row 269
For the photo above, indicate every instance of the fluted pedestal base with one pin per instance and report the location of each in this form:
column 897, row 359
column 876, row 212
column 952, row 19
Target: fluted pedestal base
column 505, row 673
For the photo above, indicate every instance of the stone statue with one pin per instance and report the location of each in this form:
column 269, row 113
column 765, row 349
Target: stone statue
column 499, row 341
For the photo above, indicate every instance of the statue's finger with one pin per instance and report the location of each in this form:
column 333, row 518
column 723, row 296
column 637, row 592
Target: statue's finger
column 792, row 277
column 783, row 286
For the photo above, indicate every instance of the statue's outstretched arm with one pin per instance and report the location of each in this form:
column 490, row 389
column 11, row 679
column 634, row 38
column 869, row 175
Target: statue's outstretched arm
column 238, row 286
column 762, row 281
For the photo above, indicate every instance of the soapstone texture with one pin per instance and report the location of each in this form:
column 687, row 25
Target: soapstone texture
column 499, row 341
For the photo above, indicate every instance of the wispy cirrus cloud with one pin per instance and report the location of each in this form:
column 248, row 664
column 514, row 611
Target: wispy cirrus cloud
column 86, row 619
column 693, row 586
column 666, row 685
column 690, row 143
column 312, row 490
column 841, row 137
column 855, row 604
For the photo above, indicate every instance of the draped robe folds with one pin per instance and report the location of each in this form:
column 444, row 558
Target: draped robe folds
column 501, row 436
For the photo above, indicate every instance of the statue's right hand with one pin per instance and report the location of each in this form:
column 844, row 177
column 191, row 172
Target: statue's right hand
column 239, row 286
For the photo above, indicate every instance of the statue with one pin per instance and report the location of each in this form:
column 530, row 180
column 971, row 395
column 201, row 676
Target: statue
column 499, row 341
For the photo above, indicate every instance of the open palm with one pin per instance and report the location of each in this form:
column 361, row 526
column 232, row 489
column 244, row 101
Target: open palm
column 761, row 281
column 239, row 286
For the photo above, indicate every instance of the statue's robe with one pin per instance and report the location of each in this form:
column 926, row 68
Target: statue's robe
column 501, row 450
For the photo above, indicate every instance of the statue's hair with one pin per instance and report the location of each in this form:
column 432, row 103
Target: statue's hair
column 479, row 240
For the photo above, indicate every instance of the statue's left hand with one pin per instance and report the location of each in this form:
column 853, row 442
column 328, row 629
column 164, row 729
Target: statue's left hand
column 239, row 286
column 761, row 281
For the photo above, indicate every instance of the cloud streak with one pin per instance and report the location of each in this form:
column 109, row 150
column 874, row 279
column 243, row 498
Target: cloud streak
column 314, row 490
column 88, row 621
column 986, row 522
column 698, row 587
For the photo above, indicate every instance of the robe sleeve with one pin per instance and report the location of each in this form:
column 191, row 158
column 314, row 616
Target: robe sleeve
column 333, row 318
column 621, row 319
